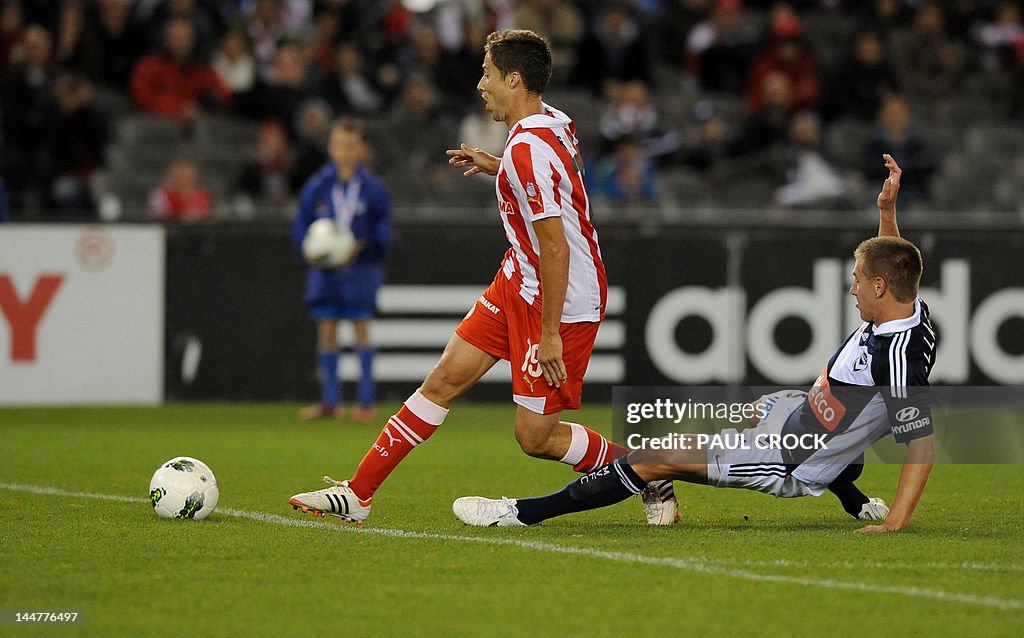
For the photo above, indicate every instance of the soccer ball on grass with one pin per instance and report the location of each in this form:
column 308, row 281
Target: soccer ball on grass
column 183, row 487
column 326, row 244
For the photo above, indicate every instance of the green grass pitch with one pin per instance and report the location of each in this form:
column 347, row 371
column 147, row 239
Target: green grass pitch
column 739, row 564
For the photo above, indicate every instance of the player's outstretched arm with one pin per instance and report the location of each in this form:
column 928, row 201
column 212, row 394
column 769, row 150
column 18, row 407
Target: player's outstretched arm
column 887, row 199
column 473, row 159
column 916, row 467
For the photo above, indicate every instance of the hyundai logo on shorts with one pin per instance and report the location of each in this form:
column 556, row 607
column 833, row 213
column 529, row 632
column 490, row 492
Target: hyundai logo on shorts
column 907, row 414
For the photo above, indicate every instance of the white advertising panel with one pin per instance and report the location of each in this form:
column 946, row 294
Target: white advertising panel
column 81, row 314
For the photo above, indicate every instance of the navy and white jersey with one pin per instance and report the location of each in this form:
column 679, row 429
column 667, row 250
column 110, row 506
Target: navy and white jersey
column 874, row 385
column 362, row 203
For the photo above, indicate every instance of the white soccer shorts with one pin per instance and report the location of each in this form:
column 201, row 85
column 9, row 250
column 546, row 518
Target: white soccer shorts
column 743, row 464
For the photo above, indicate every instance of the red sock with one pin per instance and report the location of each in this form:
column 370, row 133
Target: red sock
column 588, row 450
column 413, row 424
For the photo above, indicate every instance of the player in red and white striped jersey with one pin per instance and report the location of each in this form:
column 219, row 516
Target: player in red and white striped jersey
column 540, row 177
column 541, row 311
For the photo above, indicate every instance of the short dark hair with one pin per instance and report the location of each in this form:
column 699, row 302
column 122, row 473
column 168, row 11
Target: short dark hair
column 350, row 124
column 895, row 260
column 524, row 52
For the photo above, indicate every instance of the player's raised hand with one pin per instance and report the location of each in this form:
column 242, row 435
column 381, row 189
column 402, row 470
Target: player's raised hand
column 474, row 160
column 891, row 186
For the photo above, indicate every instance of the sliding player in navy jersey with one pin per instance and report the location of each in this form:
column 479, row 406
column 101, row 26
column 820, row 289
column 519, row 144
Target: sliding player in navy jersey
column 872, row 386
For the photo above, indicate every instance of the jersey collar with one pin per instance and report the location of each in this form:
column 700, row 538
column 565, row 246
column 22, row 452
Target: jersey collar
column 550, row 118
column 899, row 325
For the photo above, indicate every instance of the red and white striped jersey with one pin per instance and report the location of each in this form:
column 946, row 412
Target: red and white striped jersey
column 541, row 176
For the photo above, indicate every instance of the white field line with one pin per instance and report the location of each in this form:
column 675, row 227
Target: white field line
column 689, row 564
column 846, row 564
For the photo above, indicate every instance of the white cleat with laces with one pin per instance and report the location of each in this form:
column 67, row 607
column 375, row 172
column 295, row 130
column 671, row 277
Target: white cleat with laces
column 338, row 500
column 487, row 512
column 660, row 503
column 874, row 510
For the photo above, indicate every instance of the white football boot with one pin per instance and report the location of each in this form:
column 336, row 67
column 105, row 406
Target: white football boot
column 660, row 503
column 487, row 512
column 338, row 500
column 874, row 510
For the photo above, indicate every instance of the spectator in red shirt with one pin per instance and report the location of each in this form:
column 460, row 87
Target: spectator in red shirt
column 789, row 54
column 181, row 198
column 173, row 83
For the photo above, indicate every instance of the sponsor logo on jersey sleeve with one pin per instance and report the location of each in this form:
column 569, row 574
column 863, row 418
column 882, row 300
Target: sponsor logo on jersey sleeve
column 532, row 198
column 828, row 409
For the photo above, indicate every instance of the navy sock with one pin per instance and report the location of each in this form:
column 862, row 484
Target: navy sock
column 604, row 486
column 367, row 387
column 329, row 370
column 849, row 494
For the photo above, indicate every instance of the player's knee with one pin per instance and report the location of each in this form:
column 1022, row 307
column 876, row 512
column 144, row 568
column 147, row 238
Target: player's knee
column 327, row 335
column 440, row 386
column 533, row 443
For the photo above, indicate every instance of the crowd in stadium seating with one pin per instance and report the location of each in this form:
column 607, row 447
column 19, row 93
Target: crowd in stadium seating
column 680, row 103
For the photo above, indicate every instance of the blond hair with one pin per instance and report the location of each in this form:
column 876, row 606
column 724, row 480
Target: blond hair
column 895, row 260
